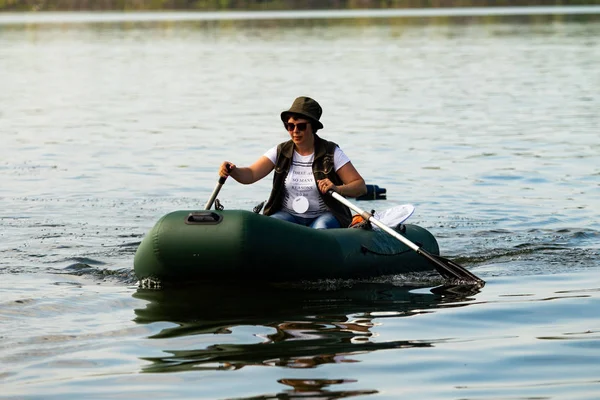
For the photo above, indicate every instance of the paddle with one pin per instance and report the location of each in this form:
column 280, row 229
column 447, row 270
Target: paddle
column 448, row 269
column 215, row 192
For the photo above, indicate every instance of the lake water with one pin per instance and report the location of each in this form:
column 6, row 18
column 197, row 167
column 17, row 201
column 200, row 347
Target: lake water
column 487, row 124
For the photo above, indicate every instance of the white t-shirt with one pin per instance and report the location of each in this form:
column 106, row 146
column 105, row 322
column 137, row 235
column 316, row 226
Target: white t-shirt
column 300, row 194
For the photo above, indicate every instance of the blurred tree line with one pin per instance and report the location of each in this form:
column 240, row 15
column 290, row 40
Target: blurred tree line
column 216, row 5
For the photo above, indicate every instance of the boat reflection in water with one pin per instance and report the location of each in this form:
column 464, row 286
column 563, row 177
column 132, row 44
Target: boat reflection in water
column 285, row 326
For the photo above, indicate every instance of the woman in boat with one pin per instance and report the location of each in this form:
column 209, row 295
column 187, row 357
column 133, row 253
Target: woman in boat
column 306, row 168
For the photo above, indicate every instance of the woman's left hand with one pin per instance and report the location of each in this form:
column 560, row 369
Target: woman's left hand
column 325, row 185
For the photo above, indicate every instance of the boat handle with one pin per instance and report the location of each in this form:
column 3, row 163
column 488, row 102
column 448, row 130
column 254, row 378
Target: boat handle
column 203, row 218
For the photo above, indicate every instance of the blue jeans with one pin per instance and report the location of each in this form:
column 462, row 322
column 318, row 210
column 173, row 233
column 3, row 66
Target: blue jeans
column 323, row 221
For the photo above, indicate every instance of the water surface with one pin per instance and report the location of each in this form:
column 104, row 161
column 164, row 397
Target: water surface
column 487, row 125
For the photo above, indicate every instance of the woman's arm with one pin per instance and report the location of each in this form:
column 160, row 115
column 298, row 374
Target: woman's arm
column 247, row 175
column 354, row 185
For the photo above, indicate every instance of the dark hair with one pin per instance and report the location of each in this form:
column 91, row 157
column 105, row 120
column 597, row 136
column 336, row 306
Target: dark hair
column 314, row 126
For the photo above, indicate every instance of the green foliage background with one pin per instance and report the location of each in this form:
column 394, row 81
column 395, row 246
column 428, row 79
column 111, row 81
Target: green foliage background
column 215, row 5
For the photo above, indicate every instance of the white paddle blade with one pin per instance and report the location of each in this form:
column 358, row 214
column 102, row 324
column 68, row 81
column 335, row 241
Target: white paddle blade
column 396, row 215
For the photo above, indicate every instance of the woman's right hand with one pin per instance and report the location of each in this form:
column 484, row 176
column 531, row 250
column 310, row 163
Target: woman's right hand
column 226, row 169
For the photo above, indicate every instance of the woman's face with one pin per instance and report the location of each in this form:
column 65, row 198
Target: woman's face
column 299, row 129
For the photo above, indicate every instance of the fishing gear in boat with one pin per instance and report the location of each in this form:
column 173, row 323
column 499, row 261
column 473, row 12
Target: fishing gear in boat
column 374, row 192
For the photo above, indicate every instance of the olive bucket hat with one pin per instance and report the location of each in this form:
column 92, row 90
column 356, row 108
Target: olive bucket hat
column 306, row 107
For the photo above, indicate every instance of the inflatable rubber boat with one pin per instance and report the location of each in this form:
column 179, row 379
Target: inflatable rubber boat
column 189, row 245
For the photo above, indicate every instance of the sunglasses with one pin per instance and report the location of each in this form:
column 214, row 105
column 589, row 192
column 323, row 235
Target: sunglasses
column 290, row 126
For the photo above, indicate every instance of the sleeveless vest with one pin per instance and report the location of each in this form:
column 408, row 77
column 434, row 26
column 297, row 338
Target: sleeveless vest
column 322, row 168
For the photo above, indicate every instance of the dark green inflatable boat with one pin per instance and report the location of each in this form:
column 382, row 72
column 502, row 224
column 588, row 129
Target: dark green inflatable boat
column 187, row 246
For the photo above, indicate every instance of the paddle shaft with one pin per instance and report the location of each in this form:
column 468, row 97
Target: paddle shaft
column 215, row 192
column 445, row 267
